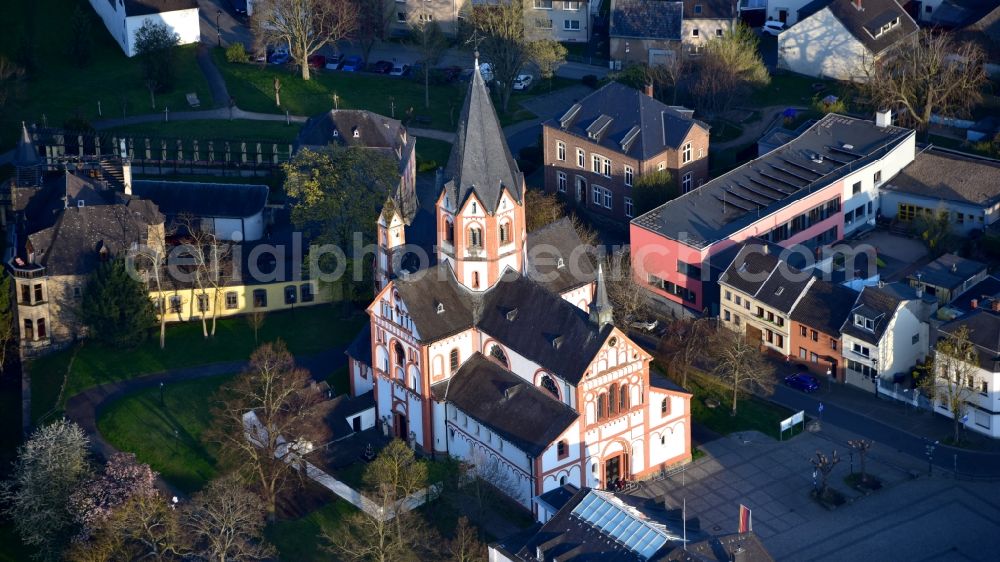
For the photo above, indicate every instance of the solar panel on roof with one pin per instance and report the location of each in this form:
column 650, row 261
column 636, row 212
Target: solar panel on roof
column 846, row 151
column 781, row 180
column 791, row 173
column 803, row 167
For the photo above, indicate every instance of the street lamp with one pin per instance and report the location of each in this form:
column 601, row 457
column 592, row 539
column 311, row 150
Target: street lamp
column 161, row 394
column 829, row 378
column 875, row 377
column 218, row 27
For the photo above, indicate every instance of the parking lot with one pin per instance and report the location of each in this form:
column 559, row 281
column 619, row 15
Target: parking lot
column 914, row 517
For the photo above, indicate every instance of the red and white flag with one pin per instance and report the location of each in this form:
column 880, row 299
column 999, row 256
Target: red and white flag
column 745, row 525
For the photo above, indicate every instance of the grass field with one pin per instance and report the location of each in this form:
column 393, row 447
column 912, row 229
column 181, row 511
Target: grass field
column 752, row 413
column 276, row 131
column 60, row 87
column 792, row 89
column 299, row 539
column 139, row 424
column 431, row 150
column 306, row 330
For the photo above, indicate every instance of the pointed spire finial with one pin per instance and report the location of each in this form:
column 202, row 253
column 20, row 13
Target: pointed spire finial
column 477, row 60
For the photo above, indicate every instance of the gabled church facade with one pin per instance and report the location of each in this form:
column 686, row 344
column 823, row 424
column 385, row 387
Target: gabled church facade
column 503, row 354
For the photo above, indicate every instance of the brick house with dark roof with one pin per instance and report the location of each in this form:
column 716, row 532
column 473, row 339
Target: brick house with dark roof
column 599, row 147
column 652, row 31
column 815, row 328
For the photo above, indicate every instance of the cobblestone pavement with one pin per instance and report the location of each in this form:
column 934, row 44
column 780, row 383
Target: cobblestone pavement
column 914, row 517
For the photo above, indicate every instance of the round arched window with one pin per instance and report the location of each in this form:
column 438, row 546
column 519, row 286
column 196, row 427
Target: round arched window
column 497, row 353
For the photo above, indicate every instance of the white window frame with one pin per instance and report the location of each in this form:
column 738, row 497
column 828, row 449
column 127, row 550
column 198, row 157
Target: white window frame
column 567, row 25
column 560, row 151
column 606, row 167
column 629, row 174
column 661, row 166
column 595, row 163
column 686, row 153
column 595, row 191
column 561, row 182
column 687, row 182
column 535, row 5
column 581, row 158
column 608, row 200
column 629, row 208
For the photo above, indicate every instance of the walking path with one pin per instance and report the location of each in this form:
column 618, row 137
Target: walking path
column 752, row 132
column 85, row 407
column 212, row 75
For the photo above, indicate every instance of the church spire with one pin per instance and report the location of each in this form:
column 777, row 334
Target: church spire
column 26, row 161
column 601, row 312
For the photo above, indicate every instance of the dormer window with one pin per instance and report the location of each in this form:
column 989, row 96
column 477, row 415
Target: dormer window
column 862, row 322
column 440, row 308
column 336, row 133
column 80, row 203
column 697, row 8
column 560, row 263
column 356, row 133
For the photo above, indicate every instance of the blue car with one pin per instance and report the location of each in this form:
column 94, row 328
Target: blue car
column 803, row 382
column 280, row 57
column 352, row 64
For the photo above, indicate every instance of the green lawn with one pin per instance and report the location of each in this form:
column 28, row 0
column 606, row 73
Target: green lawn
column 253, row 88
column 792, row 89
column 139, row 424
column 276, row 131
column 752, row 413
column 724, row 131
column 60, row 87
column 299, row 539
column 306, row 330
column 432, row 150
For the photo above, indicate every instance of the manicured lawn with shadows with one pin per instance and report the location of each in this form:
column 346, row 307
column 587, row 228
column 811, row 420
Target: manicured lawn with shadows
column 299, row 539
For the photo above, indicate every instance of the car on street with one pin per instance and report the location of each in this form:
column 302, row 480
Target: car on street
column 642, row 324
column 802, row 381
column 523, row 81
column 280, row 56
column 773, row 27
column 399, row 69
column 352, row 64
column 316, row 61
column 334, row 62
column 382, row 67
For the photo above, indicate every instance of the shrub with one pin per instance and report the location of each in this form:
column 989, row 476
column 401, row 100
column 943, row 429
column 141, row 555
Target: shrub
column 237, row 53
column 426, row 165
column 590, row 80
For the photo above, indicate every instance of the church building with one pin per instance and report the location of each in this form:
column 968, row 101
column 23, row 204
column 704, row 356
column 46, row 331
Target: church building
column 503, row 353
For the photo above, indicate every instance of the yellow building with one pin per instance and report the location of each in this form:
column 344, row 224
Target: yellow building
column 191, row 303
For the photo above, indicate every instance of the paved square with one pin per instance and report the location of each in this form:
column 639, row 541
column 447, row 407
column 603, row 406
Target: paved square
column 913, row 518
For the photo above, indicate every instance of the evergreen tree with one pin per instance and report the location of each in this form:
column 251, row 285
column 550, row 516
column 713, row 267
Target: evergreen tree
column 7, row 333
column 116, row 306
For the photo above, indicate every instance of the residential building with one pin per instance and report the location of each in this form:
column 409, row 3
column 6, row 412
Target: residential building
column 758, row 293
column 807, row 194
column 596, row 151
column 983, row 395
column 786, row 11
column 836, row 38
column 815, row 328
column 124, row 17
column 651, row 31
column 448, row 14
column 885, row 336
column 965, row 187
column 505, row 358
column 947, row 277
column 381, row 134
column 566, row 21
column 232, row 212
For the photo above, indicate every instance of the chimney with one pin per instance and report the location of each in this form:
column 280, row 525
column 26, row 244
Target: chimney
column 883, row 117
column 648, row 90
column 995, row 305
column 857, row 5
column 974, row 304
column 765, row 249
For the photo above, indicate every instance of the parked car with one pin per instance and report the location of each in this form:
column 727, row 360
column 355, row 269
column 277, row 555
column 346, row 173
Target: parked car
column 334, row 62
column 399, row 69
column 382, row 67
column 772, row 27
column 352, row 64
column 316, row 61
column 802, row 381
column 523, row 81
column 644, row 324
column 265, row 56
column 280, row 56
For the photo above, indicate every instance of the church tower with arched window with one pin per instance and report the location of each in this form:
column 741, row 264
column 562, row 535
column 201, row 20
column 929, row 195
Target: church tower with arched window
column 480, row 209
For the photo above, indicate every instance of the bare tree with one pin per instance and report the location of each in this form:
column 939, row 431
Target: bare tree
column 629, row 300
column 255, row 320
column 285, row 405
column 145, row 527
column 374, row 19
column 490, row 477
column 505, row 44
column 684, row 342
column 824, row 465
column 430, row 43
column 210, row 258
column 730, row 68
column 150, row 260
column 226, row 522
column 304, row 25
column 542, row 209
column 466, row 546
column 933, row 74
column 954, row 376
column 738, row 361
column 668, row 73
column 861, row 446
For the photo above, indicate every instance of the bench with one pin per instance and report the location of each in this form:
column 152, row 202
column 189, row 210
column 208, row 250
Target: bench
column 193, row 100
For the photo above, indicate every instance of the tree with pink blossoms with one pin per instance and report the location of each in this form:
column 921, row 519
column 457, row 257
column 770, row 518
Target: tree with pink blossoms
column 122, row 479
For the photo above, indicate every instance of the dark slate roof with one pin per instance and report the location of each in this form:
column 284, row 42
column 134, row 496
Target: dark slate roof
column 758, row 270
column 745, row 195
column 825, row 307
column 984, row 332
column 340, row 408
column 940, row 174
column 876, row 303
column 337, row 126
column 646, row 19
column 72, row 245
column 710, row 9
column 949, row 271
column 986, row 290
column 659, row 126
column 726, row 548
column 540, row 326
column 965, row 13
column 552, row 242
column 513, row 408
column 361, row 347
column 480, row 160
column 556, row 498
column 146, row 7
column 203, row 199
column 864, row 24
column 425, row 289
